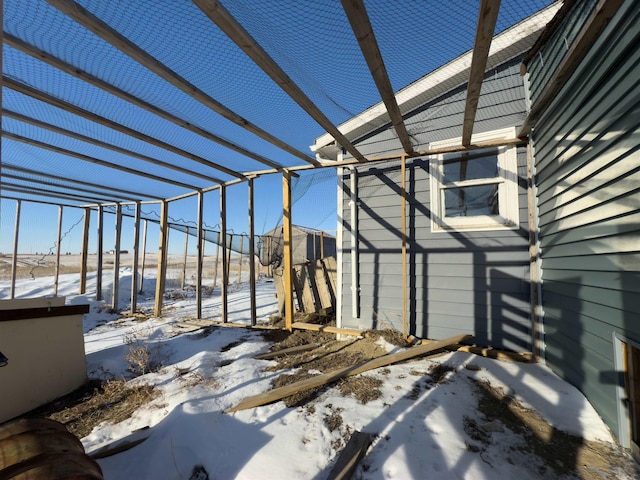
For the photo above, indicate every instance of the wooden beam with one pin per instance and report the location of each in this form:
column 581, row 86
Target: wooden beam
column 287, row 250
column 215, row 268
column 361, row 26
column 144, row 254
column 87, row 158
column 288, row 351
column 200, row 256
column 314, row 327
column 223, row 243
column 58, row 249
column 28, row 189
column 595, row 24
column 163, row 247
column 115, row 297
column 107, row 87
column 43, row 312
column 84, row 253
column 252, row 253
column 134, row 260
column 119, row 41
column 14, row 259
column 109, row 146
column 403, row 213
column 184, row 259
column 487, row 18
column 236, row 32
column 228, row 275
column 534, row 272
column 240, row 260
column 348, row 460
column 319, row 380
column 100, row 235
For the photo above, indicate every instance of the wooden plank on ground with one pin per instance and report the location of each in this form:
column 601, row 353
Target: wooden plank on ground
column 319, row 380
column 348, row 460
column 526, row 357
column 287, row 351
column 314, row 327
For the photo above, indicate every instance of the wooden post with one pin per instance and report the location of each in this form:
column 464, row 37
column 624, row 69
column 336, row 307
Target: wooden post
column 144, row 253
column 240, row 261
column 184, row 259
column 55, row 283
column 200, row 256
column 403, row 212
column 215, row 268
column 163, row 246
column 534, row 273
column 100, row 250
column 223, row 234
column 116, row 259
column 227, row 275
column 14, row 260
column 288, row 254
column 134, row 262
column 252, row 253
column 84, row 254
column 321, row 244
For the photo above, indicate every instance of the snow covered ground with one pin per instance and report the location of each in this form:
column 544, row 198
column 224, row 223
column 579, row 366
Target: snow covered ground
column 420, row 428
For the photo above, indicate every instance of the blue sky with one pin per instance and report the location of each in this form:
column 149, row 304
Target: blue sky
column 310, row 39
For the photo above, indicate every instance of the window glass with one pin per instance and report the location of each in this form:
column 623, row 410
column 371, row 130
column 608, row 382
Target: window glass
column 471, row 201
column 470, row 167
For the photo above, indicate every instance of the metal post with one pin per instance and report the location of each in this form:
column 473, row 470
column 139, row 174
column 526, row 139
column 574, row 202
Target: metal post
column 84, row 254
column 55, row 283
column 100, row 250
column 116, row 259
column 14, row 260
column 134, row 262
column 252, row 254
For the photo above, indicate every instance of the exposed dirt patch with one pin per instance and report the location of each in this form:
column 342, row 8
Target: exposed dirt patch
column 363, row 387
column 394, row 337
column 109, row 401
column 563, row 454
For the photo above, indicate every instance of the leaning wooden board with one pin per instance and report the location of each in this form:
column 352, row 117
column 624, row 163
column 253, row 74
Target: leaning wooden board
column 319, row 380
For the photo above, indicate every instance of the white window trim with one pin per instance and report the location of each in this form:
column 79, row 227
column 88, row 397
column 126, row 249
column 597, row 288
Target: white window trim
column 507, row 180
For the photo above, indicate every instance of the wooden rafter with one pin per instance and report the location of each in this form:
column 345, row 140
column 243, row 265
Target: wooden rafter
column 597, row 21
column 74, row 109
column 45, row 193
column 87, row 158
column 487, row 19
column 236, row 32
column 108, row 146
column 114, row 38
column 70, row 69
column 361, row 26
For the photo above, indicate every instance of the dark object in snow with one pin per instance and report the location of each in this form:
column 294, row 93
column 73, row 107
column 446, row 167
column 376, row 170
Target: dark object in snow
column 199, row 473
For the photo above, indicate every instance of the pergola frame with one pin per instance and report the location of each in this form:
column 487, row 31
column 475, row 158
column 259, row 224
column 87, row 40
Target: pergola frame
column 363, row 31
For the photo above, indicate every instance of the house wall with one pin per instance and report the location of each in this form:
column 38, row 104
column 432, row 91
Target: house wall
column 46, row 356
column 588, row 187
column 459, row 282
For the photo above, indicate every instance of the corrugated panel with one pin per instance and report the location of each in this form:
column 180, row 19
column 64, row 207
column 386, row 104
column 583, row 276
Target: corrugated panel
column 588, row 179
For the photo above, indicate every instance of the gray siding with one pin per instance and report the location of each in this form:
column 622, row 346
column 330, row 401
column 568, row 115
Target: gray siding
column 458, row 282
column 588, row 177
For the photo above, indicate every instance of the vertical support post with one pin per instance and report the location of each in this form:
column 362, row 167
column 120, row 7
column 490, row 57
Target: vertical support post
column 225, row 265
column 200, row 259
column 240, row 261
column 163, row 246
column 215, row 268
column 403, row 213
column 534, row 265
column 227, row 276
column 184, row 259
column 100, row 251
column 55, row 283
column 322, row 244
column 14, row 260
column 134, row 262
column 287, row 253
column 144, row 254
column 116, row 260
column 84, row 254
column 252, row 254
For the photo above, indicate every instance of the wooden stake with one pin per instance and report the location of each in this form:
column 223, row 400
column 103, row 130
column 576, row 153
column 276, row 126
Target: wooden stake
column 144, row 253
column 55, row 283
column 223, row 236
column 215, row 268
column 252, row 254
column 184, row 259
column 227, row 275
column 287, row 250
column 100, row 252
column 240, row 261
column 163, row 246
column 84, row 253
column 403, row 213
column 116, row 259
column 134, row 260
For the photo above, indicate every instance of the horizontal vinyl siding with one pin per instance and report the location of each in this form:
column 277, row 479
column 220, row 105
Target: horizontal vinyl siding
column 588, row 185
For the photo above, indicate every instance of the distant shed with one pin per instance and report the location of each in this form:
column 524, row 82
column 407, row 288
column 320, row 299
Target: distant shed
column 308, row 244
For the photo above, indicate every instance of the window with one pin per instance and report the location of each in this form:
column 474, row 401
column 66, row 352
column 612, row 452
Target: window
column 475, row 190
